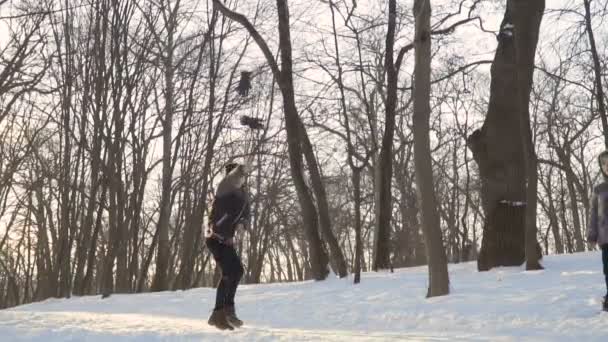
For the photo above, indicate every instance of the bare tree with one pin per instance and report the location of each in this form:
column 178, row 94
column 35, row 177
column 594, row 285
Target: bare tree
column 355, row 160
column 197, row 183
column 500, row 158
column 385, row 165
column 435, row 252
column 527, row 16
column 597, row 71
column 284, row 77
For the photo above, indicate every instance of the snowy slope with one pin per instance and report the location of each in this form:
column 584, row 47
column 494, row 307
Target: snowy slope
column 560, row 303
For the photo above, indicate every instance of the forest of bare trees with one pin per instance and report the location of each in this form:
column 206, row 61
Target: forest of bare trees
column 396, row 134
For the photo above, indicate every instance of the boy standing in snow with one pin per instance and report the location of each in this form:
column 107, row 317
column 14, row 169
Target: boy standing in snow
column 230, row 211
column 597, row 232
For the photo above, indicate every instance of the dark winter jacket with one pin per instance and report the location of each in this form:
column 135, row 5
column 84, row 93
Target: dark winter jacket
column 229, row 209
column 598, row 222
column 597, row 231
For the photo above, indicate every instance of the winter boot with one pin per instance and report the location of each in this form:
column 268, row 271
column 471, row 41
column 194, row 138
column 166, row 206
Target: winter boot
column 231, row 317
column 605, row 303
column 218, row 319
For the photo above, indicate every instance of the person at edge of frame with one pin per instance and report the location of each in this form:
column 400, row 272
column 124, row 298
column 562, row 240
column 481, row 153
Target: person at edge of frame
column 597, row 231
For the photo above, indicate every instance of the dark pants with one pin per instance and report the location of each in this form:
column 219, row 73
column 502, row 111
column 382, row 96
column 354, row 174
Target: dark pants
column 229, row 262
column 605, row 264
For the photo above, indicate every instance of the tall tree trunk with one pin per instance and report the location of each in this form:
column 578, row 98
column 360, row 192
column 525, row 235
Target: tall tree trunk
column 194, row 222
column 87, row 282
column 527, row 17
column 317, row 253
column 500, row 161
column 356, row 178
column 87, row 226
column 64, row 248
column 47, row 283
column 382, row 231
column 284, row 77
column 435, row 251
column 115, row 209
column 161, row 279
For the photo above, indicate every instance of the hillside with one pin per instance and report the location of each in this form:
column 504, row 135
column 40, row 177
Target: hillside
column 561, row 303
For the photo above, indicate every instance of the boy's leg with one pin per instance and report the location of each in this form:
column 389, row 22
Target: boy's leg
column 235, row 273
column 218, row 316
column 233, row 264
column 220, row 295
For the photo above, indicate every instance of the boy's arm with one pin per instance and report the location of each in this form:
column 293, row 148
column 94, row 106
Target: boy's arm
column 246, row 215
column 592, row 228
column 236, row 210
column 242, row 210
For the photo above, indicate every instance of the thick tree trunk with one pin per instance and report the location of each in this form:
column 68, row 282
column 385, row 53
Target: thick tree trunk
column 527, row 17
column 435, row 251
column 499, row 157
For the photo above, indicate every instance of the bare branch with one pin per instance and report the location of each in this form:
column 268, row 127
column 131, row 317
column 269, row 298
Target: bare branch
column 448, row 30
column 241, row 19
column 460, row 69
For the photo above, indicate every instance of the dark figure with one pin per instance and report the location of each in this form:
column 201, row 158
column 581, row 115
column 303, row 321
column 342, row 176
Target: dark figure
column 597, row 232
column 230, row 211
column 251, row 122
column 244, row 83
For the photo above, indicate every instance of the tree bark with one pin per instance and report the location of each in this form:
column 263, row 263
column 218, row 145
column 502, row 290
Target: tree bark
column 381, row 253
column 161, row 279
column 435, row 251
column 65, row 227
column 527, row 17
column 356, row 179
column 500, row 160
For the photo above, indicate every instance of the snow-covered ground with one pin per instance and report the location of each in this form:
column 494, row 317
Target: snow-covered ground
column 561, row 303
